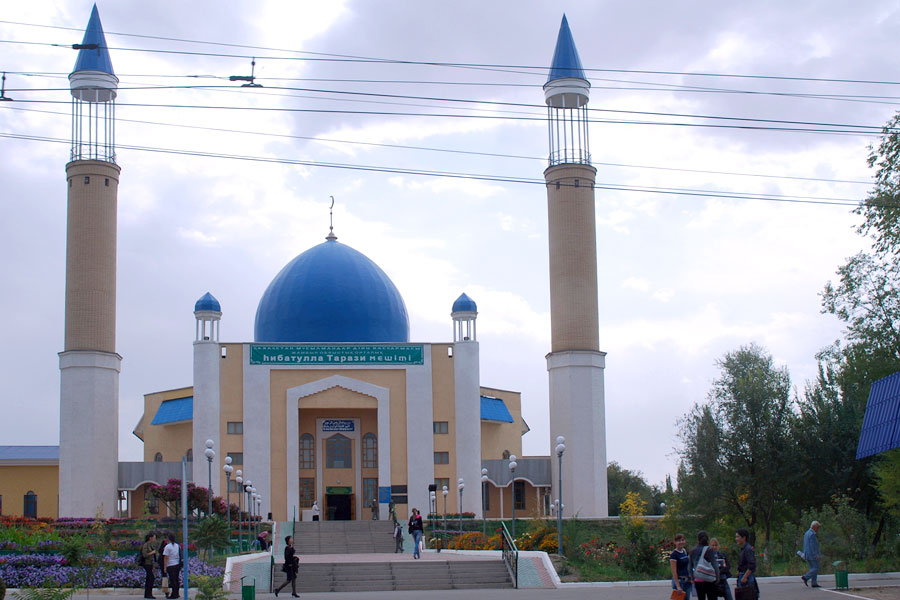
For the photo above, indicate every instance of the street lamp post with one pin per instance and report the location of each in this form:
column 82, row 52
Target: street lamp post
column 512, row 472
column 258, row 514
column 246, row 490
column 461, row 485
column 445, row 491
column 228, row 469
column 484, row 479
column 210, row 454
column 432, row 497
column 560, row 449
column 240, row 481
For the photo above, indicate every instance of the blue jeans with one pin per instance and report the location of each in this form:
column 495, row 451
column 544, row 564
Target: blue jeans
column 728, row 595
column 813, row 572
column 686, row 585
column 417, row 536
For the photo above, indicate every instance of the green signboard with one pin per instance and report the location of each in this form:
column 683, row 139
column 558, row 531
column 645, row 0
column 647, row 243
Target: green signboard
column 337, row 354
column 338, row 490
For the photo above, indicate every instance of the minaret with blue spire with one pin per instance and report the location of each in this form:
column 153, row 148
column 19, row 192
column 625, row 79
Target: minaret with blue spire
column 89, row 364
column 575, row 363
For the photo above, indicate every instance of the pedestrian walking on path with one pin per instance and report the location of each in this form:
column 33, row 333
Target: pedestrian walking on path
column 290, row 567
column 812, row 554
column 416, row 529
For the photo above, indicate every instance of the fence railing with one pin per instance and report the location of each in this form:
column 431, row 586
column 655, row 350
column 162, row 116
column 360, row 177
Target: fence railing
column 510, row 554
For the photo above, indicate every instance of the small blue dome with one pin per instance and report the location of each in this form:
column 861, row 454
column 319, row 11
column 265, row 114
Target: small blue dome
column 331, row 293
column 207, row 302
column 464, row 304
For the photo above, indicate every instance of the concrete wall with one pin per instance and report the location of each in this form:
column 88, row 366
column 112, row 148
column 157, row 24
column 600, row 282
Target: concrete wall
column 18, row 480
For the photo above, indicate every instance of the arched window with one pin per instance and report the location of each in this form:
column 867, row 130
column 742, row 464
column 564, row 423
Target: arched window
column 370, row 451
column 30, row 509
column 158, row 457
column 338, row 452
column 189, row 455
column 307, row 451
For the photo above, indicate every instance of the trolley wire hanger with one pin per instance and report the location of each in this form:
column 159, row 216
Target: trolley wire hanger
column 249, row 78
column 3, row 96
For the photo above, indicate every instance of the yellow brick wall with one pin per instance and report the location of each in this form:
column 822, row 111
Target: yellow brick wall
column 18, row 480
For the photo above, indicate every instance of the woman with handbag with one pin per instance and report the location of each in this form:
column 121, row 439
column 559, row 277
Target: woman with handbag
column 290, row 567
column 746, row 587
column 415, row 529
column 724, row 571
column 706, row 568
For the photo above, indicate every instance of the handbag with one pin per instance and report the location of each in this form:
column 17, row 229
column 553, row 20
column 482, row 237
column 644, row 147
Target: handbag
column 165, row 584
column 677, row 595
column 747, row 592
column 704, row 571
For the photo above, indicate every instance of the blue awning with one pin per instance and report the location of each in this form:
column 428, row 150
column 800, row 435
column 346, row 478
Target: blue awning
column 174, row 411
column 494, row 409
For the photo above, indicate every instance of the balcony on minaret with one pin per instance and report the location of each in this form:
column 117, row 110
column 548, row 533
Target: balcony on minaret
column 464, row 313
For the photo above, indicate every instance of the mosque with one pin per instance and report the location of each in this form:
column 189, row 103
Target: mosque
column 331, row 402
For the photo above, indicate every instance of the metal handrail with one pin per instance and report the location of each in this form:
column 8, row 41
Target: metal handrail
column 510, row 554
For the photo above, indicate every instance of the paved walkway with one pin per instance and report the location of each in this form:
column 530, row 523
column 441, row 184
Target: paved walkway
column 771, row 588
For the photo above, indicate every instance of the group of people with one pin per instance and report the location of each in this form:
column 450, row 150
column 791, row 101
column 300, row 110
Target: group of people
column 167, row 554
column 706, row 570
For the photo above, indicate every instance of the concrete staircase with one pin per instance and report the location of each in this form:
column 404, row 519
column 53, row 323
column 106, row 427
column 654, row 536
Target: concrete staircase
column 341, row 537
column 406, row 575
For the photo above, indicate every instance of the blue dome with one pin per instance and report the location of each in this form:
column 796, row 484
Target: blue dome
column 331, row 293
column 464, row 304
column 207, row 302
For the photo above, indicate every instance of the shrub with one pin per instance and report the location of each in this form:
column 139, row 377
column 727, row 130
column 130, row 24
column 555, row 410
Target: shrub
column 208, row 588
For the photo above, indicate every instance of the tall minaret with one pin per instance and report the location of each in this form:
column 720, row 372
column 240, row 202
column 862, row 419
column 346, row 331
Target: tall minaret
column 467, row 400
column 89, row 365
column 207, row 401
column 575, row 362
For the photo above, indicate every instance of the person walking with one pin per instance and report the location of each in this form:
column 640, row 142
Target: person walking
column 148, row 560
column 680, row 564
column 290, row 567
column 812, row 554
column 416, row 529
column 702, row 555
column 172, row 555
column 746, row 563
column 374, row 505
column 398, row 537
column 315, row 509
column 724, row 590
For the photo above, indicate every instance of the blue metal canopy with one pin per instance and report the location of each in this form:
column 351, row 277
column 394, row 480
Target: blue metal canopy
column 494, row 409
column 566, row 62
column 94, row 55
column 881, row 425
column 174, row 411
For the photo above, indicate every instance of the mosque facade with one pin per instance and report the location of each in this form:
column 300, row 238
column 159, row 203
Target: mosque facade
column 331, row 402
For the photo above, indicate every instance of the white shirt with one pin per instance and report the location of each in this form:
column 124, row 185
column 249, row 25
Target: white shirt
column 171, row 554
column 315, row 509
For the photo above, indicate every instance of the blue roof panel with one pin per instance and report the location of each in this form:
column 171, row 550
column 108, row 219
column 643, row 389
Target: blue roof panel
column 881, row 425
column 29, row 452
column 566, row 62
column 174, row 411
column 494, row 409
column 97, row 58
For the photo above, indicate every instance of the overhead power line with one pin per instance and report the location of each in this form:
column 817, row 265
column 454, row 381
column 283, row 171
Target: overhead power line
column 845, row 202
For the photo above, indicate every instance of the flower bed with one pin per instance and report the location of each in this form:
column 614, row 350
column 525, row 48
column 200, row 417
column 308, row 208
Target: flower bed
column 35, row 570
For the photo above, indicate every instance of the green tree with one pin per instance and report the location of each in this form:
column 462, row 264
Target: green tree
column 736, row 449
column 621, row 481
column 881, row 208
column 212, row 533
column 887, row 480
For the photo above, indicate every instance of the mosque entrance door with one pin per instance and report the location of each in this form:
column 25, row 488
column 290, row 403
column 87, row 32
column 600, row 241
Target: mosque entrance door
column 339, row 506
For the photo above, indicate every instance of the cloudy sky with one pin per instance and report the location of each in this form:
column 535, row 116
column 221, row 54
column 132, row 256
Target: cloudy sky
column 716, row 127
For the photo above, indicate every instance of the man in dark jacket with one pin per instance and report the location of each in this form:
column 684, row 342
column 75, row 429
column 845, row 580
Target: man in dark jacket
column 746, row 562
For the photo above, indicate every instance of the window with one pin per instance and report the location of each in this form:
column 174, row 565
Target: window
column 158, row 457
column 307, row 451
column 189, row 455
column 441, row 427
column 237, row 458
column 30, row 509
column 370, row 490
column 440, row 482
column 506, row 455
column 153, row 505
column 519, row 494
column 487, row 497
column 307, row 491
column 233, row 486
column 1, row 504
column 442, row 458
column 234, row 427
column 369, row 452
column 338, row 452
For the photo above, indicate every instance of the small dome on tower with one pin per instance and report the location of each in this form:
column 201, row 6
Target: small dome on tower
column 464, row 304
column 207, row 302
column 93, row 79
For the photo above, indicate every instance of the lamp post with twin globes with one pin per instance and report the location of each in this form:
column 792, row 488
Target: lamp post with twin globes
column 484, row 478
column 512, row 471
column 461, row 485
column 210, row 454
column 228, row 469
column 240, row 483
column 560, row 449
